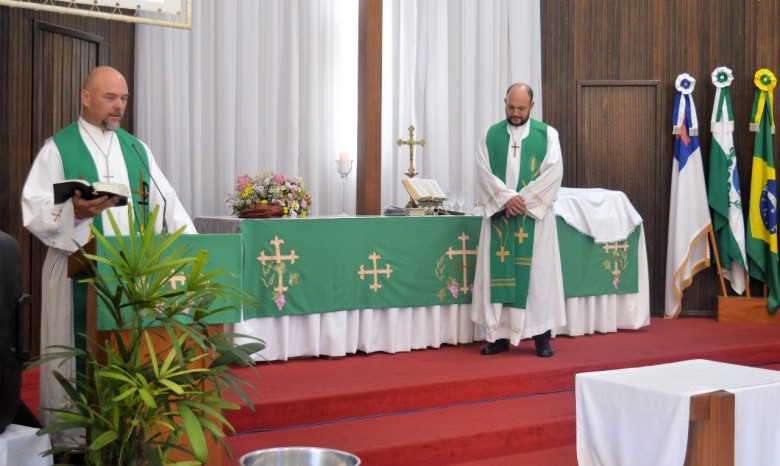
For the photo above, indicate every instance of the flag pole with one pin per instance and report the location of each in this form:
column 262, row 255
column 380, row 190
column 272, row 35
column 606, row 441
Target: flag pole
column 711, row 235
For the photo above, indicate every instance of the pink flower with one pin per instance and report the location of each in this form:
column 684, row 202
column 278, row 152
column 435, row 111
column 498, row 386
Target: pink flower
column 280, row 301
column 454, row 288
column 242, row 182
column 279, row 178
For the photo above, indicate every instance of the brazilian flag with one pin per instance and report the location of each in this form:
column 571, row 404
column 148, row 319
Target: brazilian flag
column 761, row 242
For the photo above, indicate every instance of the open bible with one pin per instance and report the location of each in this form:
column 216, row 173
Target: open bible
column 424, row 190
column 64, row 190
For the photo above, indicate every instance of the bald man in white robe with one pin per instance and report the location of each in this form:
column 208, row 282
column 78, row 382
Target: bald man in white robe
column 519, row 172
column 94, row 144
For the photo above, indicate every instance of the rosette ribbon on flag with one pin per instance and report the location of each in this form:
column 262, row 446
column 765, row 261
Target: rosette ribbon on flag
column 761, row 239
column 688, row 251
column 724, row 193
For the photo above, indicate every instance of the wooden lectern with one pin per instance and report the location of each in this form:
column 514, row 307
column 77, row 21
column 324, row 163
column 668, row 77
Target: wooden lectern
column 78, row 265
column 711, row 430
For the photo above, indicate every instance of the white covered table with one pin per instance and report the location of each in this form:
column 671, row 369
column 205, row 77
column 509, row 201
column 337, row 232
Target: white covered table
column 607, row 216
column 20, row 445
column 640, row 416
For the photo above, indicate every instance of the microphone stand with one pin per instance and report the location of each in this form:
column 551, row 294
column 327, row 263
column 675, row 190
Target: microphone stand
column 165, row 201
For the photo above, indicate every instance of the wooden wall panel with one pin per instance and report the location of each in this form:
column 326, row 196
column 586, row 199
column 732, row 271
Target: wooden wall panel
column 612, row 131
column 656, row 40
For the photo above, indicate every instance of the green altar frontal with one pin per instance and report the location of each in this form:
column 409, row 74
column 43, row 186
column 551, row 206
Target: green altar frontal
column 316, row 265
column 304, row 266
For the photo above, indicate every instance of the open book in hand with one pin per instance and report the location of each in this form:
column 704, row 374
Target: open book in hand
column 423, row 190
column 64, row 190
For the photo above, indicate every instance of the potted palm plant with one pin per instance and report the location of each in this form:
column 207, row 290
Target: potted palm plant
column 139, row 402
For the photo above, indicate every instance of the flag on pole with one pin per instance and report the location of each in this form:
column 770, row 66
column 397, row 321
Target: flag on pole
column 688, row 251
column 761, row 241
column 724, row 194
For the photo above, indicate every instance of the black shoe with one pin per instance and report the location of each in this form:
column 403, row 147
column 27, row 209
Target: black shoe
column 543, row 347
column 498, row 346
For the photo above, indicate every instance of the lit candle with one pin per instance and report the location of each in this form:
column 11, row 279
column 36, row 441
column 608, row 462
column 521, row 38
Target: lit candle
column 343, row 161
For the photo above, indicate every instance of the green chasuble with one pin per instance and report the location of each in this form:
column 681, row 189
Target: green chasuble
column 77, row 163
column 512, row 238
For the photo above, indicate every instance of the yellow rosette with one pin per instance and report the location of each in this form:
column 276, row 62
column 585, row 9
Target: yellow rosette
column 765, row 81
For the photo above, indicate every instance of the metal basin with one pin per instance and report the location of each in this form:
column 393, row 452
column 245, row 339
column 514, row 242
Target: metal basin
column 299, row 456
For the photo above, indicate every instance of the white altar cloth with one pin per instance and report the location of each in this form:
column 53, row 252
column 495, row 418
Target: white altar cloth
column 393, row 330
column 20, row 445
column 639, row 416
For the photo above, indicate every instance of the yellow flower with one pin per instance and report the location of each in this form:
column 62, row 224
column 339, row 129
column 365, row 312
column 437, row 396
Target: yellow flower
column 285, row 210
column 247, row 192
column 264, row 201
column 765, row 80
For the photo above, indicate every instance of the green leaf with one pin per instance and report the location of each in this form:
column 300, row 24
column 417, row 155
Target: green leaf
column 103, row 439
column 194, row 432
column 147, row 398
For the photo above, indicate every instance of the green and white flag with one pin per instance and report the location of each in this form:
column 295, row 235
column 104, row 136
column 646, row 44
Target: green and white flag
column 724, row 195
column 761, row 242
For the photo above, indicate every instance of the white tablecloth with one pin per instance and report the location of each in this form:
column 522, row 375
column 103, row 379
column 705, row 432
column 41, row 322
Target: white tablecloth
column 639, row 416
column 394, row 330
column 19, row 445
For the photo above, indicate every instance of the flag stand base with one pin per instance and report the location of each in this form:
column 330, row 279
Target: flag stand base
column 736, row 309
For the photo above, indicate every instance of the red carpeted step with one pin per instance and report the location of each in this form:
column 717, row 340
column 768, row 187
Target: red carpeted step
column 314, row 390
column 560, row 456
column 468, row 432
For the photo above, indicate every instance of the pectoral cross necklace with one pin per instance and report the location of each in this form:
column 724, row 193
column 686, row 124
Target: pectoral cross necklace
column 515, row 144
column 105, row 154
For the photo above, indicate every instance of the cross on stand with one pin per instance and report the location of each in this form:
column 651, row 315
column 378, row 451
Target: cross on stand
column 464, row 264
column 375, row 272
column 615, row 248
column 411, row 143
column 279, row 258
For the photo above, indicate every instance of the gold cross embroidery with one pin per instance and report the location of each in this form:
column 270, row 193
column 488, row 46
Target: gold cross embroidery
column 279, row 258
column 614, row 248
column 521, row 235
column 375, row 272
column 463, row 253
column 502, row 253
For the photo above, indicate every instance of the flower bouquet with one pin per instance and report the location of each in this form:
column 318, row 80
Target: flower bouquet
column 269, row 194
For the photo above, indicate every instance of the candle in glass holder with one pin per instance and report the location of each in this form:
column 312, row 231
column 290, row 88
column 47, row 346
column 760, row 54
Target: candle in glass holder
column 344, row 162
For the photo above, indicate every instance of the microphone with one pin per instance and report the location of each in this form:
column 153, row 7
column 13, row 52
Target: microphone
column 165, row 201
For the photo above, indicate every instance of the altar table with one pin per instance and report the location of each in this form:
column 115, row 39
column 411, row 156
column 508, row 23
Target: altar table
column 640, row 416
column 413, row 325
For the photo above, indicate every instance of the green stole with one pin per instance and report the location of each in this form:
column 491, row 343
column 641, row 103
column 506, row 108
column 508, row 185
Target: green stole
column 77, row 163
column 512, row 238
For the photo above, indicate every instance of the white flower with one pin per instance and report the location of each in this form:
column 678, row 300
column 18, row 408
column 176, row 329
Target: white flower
column 722, row 77
column 685, row 83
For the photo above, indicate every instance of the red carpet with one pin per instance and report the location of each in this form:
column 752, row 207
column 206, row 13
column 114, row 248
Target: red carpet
column 454, row 406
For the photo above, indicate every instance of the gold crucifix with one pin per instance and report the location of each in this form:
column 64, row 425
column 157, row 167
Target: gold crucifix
column 411, row 143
